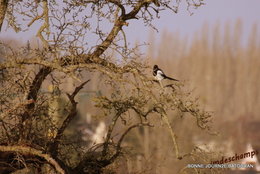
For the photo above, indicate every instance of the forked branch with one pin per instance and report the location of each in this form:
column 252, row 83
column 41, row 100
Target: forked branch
column 73, row 112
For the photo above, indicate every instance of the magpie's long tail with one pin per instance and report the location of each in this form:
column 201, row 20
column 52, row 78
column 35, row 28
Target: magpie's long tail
column 171, row 78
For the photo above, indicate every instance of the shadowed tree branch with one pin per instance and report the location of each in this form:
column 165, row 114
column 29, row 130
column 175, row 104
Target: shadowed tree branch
column 72, row 113
column 3, row 8
column 32, row 151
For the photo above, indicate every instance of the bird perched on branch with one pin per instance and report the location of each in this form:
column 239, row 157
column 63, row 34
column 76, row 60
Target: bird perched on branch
column 159, row 74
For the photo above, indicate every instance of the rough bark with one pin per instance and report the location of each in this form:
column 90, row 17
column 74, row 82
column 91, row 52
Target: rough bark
column 3, row 8
column 32, row 151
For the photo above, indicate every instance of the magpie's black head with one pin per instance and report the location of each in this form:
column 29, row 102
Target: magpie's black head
column 155, row 67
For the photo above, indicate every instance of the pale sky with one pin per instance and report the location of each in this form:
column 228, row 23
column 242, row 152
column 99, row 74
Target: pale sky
column 221, row 11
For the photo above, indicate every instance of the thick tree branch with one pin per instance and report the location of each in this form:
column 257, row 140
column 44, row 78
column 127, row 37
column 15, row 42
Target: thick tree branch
column 111, row 36
column 119, row 23
column 36, row 85
column 132, row 14
column 73, row 112
column 32, row 151
column 3, row 8
column 66, row 67
column 32, row 96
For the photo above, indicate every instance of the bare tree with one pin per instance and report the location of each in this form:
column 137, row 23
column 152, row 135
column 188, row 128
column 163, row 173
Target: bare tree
column 27, row 136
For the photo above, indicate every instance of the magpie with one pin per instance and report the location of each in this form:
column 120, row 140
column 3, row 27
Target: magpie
column 159, row 75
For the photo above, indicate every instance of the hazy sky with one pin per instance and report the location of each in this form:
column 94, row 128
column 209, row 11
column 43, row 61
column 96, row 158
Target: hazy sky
column 221, row 11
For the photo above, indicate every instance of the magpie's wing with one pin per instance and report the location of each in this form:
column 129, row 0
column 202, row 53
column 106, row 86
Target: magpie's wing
column 160, row 72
